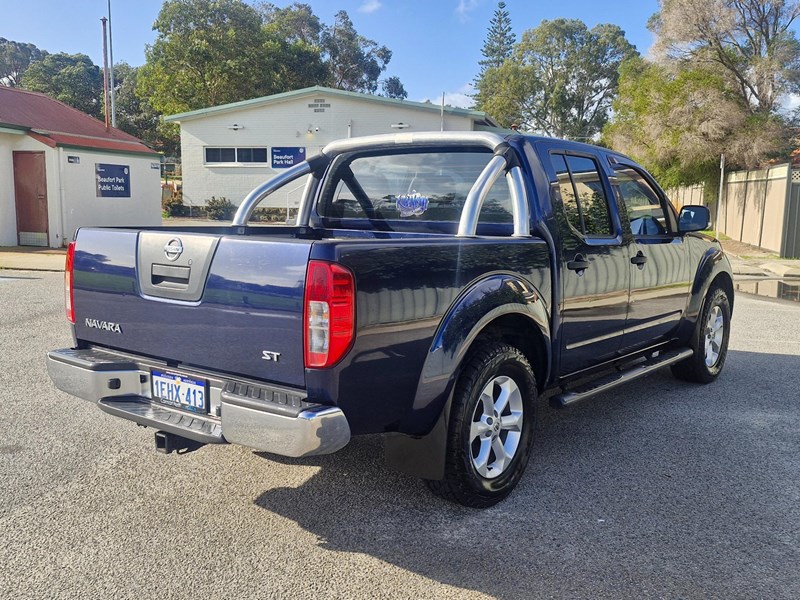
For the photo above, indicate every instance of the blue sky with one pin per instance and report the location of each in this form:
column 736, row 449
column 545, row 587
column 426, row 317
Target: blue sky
column 436, row 43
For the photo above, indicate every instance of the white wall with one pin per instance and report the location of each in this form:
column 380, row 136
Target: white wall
column 8, row 213
column 82, row 207
column 8, row 210
column 286, row 124
column 72, row 200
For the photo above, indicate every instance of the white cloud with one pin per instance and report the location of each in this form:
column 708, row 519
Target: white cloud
column 465, row 7
column 791, row 102
column 459, row 98
column 370, row 6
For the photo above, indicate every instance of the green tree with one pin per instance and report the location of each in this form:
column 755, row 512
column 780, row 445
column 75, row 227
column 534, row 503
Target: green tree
column 212, row 52
column 296, row 22
column 560, row 79
column 293, row 40
column 135, row 114
column 500, row 40
column 677, row 122
column 316, row 54
column 15, row 58
column 71, row 78
column 393, row 88
column 497, row 47
column 354, row 62
column 207, row 53
column 748, row 41
column 721, row 70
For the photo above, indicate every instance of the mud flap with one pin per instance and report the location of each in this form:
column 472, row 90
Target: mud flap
column 420, row 456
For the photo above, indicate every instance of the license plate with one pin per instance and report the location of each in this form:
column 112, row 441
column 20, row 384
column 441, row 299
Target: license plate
column 180, row 391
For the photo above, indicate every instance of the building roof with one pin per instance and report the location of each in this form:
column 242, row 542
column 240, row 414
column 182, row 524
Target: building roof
column 57, row 124
column 480, row 118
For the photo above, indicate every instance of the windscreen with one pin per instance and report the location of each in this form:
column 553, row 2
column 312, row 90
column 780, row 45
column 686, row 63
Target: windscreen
column 411, row 186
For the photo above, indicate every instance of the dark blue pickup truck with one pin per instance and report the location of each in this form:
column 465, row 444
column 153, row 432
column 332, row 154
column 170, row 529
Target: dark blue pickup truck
column 433, row 286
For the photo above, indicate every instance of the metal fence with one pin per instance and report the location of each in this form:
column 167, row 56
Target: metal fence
column 686, row 194
column 754, row 208
column 760, row 207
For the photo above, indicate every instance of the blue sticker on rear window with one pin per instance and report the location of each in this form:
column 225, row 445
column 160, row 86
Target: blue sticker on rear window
column 411, row 205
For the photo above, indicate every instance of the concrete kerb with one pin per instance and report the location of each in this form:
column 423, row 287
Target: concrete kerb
column 32, row 259
column 782, row 269
column 742, row 268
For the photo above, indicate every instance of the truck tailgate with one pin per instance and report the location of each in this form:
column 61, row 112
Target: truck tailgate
column 226, row 303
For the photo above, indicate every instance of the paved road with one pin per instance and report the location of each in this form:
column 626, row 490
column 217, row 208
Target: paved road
column 660, row 490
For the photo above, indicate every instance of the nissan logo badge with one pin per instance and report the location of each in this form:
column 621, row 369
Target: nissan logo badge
column 173, row 249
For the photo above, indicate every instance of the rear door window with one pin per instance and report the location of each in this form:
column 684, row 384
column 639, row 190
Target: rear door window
column 583, row 195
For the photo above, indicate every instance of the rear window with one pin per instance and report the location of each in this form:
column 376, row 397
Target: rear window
column 411, row 187
column 582, row 194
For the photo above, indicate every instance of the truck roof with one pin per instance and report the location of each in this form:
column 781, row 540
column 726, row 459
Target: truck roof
column 488, row 139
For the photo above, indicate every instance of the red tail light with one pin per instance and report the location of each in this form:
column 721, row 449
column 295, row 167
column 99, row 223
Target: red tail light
column 329, row 313
column 68, row 283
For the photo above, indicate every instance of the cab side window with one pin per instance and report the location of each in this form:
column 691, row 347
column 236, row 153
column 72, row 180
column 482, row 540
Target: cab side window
column 583, row 195
column 646, row 212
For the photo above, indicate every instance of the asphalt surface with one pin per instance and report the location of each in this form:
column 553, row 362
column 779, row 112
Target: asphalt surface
column 660, row 489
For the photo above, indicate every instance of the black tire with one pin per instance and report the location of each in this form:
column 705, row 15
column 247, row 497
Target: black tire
column 504, row 367
column 696, row 368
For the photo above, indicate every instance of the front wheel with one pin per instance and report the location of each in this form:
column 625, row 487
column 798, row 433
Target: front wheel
column 709, row 340
column 491, row 427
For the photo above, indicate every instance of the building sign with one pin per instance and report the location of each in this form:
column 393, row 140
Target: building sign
column 287, row 157
column 74, row 160
column 113, row 181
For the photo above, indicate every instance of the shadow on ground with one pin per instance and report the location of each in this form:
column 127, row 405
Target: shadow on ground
column 660, row 488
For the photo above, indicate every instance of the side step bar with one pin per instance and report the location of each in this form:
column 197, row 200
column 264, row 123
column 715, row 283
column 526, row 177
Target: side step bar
column 603, row 384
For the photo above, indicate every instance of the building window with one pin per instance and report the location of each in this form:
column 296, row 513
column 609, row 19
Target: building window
column 251, row 155
column 236, row 155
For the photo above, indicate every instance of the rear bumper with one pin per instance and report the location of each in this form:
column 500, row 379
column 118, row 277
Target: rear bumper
column 268, row 419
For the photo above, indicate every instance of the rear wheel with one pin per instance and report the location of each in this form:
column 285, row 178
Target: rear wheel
column 491, row 427
column 709, row 340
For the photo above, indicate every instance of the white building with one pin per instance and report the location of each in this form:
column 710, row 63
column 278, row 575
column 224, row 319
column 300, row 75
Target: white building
column 61, row 169
column 228, row 150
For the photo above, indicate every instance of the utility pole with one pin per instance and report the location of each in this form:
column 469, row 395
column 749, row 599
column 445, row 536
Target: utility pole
column 103, row 20
column 721, row 190
column 111, row 73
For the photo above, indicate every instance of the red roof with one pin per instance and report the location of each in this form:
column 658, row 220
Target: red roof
column 57, row 124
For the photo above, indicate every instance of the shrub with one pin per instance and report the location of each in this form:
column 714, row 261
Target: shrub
column 172, row 203
column 269, row 215
column 220, row 209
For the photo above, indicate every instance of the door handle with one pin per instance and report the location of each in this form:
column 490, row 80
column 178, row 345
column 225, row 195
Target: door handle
column 639, row 259
column 578, row 264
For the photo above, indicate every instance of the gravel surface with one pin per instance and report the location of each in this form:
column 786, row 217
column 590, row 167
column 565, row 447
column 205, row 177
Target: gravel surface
column 660, row 489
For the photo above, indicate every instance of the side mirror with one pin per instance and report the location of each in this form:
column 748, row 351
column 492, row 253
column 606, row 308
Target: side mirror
column 694, row 218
